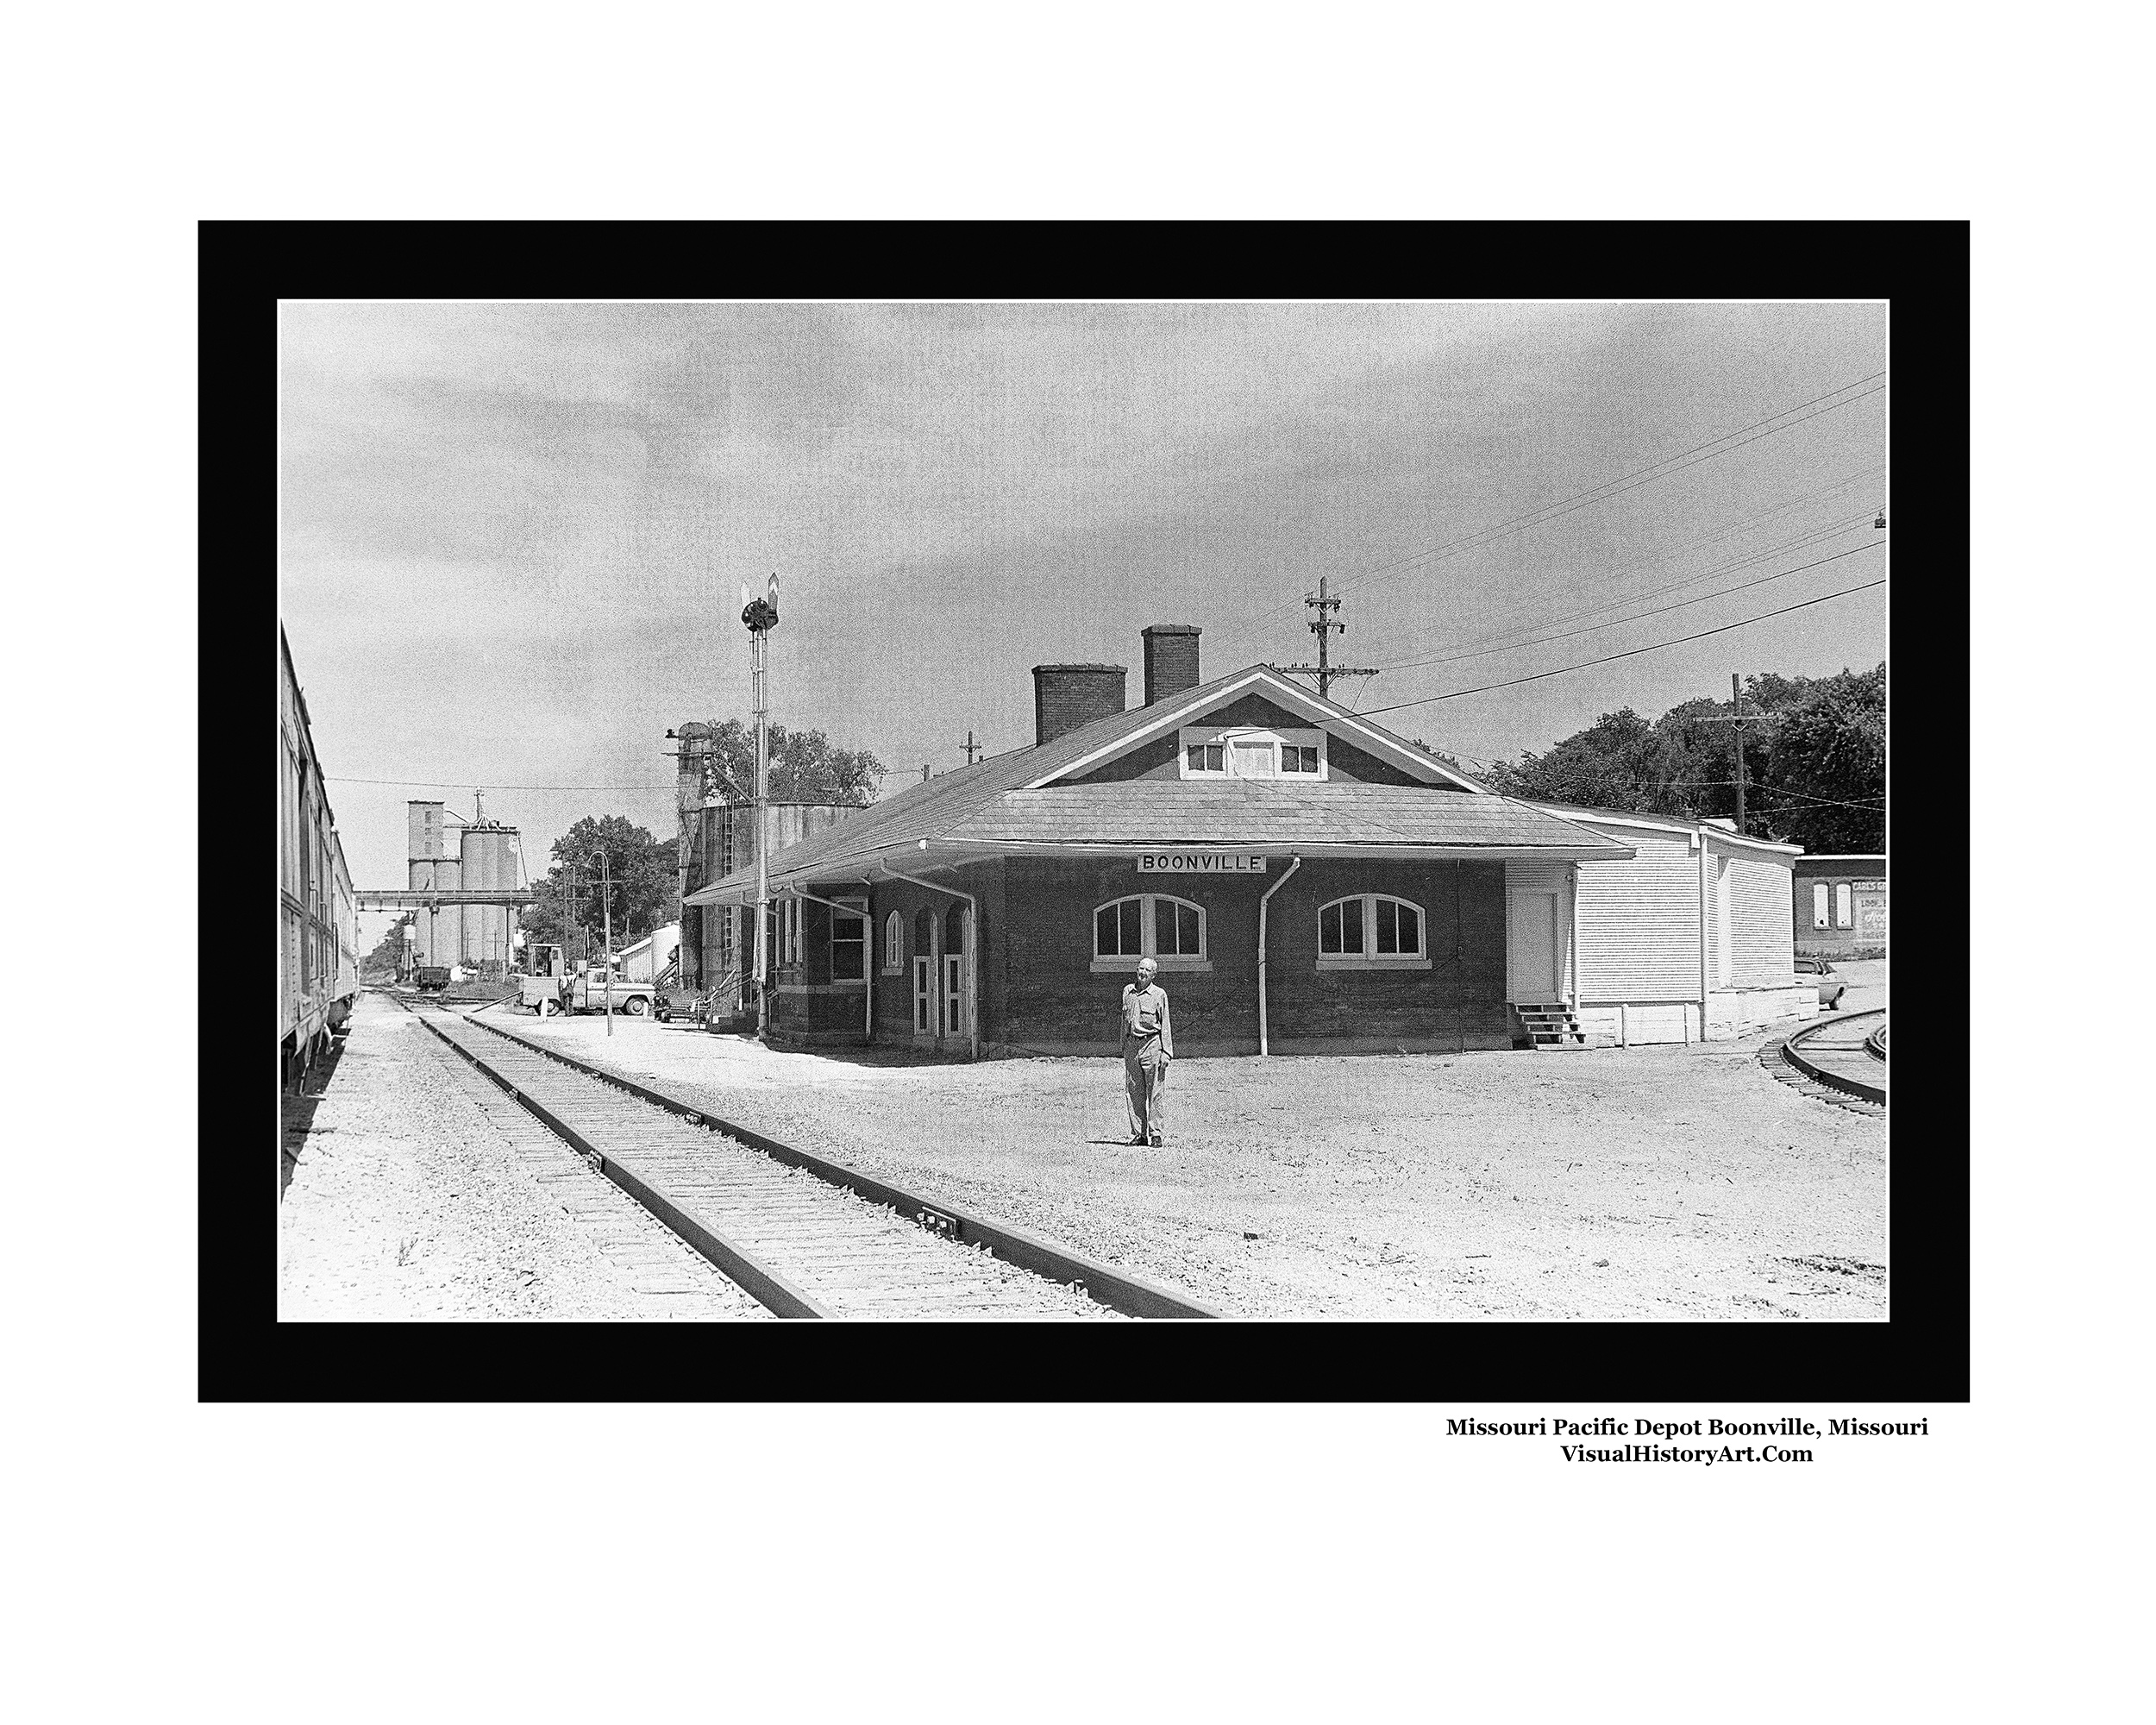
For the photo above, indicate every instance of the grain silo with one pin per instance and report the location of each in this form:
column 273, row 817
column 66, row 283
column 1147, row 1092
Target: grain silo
column 438, row 934
column 489, row 865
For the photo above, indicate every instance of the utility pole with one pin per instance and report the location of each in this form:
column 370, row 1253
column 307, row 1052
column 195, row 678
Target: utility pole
column 761, row 615
column 925, row 772
column 1324, row 603
column 1739, row 721
column 1736, row 696
column 607, row 918
column 972, row 747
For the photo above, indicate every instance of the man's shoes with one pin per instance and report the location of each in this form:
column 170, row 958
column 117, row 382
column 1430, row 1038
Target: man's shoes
column 1157, row 1144
column 1137, row 1141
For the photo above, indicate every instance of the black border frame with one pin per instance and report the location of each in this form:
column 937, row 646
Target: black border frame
column 1922, row 268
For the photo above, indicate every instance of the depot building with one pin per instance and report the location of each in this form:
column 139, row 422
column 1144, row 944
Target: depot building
column 1307, row 882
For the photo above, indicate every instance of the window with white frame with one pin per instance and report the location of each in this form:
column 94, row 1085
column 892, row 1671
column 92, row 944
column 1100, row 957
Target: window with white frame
column 849, row 942
column 1842, row 919
column 1251, row 752
column 894, row 945
column 1372, row 930
column 1170, row 931
column 1819, row 904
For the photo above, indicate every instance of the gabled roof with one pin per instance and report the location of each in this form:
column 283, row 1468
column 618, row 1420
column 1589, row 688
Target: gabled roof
column 1016, row 800
column 1141, row 725
column 1320, row 818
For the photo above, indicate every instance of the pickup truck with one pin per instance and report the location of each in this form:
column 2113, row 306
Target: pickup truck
column 548, row 986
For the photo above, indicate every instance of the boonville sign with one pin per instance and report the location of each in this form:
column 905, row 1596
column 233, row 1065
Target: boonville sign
column 1200, row 862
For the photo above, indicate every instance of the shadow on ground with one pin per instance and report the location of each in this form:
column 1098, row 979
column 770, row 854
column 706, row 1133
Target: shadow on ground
column 298, row 1110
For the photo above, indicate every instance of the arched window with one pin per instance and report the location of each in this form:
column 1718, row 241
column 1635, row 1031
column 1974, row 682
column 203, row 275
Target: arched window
column 894, row 945
column 923, row 933
column 955, row 929
column 1171, row 931
column 1372, row 930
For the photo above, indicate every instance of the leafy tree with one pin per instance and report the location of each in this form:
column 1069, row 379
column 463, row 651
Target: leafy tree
column 1825, row 780
column 382, row 961
column 805, row 767
column 1815, row 762
column 642, row 884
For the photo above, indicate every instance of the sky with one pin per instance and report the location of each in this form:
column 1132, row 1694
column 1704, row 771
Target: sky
column 513, row 536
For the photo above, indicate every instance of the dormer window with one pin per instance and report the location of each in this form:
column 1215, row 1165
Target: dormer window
column 1248, row 752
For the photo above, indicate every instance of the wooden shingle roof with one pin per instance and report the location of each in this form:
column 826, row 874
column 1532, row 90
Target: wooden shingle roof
column 1011, row 801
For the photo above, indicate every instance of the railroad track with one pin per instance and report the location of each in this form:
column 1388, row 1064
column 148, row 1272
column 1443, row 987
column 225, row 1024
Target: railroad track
column 1847, row 1053
column 807, row 1237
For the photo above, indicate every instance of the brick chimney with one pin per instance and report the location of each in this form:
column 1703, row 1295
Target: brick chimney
column 1068, row 696
column 1171, row 660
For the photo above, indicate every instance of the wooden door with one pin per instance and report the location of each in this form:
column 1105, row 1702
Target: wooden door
column 953, row 995
column 1531, row 948
column 923, row 995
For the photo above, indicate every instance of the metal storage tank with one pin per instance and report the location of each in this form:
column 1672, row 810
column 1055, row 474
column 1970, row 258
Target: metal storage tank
column 440, row 932
column 489, row 860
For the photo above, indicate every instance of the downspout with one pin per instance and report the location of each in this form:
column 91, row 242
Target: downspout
column 1699, row 839
column 1576, row 940
column 867, row 968
column 972, row 951
column 1294, row 864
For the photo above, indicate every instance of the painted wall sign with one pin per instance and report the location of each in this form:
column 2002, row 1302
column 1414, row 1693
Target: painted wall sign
column 1200, row 862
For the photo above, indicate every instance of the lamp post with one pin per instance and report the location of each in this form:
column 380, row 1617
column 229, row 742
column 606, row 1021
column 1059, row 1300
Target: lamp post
column 761, row 617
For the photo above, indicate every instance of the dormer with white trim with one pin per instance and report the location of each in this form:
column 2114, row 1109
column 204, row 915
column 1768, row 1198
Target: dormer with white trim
column 1243, row 727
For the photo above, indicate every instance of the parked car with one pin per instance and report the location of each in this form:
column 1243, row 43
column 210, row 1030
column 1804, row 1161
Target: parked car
column 1824, row 977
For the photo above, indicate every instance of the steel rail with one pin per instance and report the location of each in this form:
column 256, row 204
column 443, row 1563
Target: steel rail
column 764, row 1284
column 1117, row 1289
column 1834, row 1080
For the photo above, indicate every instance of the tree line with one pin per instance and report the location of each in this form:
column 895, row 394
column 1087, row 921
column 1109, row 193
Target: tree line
column 1813, row 751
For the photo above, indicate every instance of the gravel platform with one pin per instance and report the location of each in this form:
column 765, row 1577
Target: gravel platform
column 420, row 1190
column 1676, row 1182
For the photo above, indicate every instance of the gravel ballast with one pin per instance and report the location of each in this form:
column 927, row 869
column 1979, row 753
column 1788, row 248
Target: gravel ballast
column 420, row 1190
column 1677, row 1182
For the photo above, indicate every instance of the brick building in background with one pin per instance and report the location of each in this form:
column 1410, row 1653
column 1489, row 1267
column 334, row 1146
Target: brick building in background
column 1306, row 879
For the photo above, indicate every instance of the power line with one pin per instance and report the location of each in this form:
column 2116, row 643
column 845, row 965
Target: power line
column 1810, row 536
column 1830, row 802
column 1618, row 486
column 1603, row 493
column 1619, row 622
column 1632, row 653
column 458, row 784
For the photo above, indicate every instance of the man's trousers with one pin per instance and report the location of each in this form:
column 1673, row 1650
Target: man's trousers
column 1144, row 1079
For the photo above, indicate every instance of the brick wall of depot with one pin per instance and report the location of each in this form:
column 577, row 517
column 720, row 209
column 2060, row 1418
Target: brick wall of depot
column 894, row 994
column 1047, row 996
column 826, row 1013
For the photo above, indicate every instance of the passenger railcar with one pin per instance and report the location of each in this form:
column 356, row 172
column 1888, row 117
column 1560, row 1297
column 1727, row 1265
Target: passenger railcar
column 318, row 935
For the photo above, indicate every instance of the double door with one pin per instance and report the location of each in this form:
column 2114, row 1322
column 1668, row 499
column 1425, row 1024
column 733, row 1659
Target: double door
column 939, row 993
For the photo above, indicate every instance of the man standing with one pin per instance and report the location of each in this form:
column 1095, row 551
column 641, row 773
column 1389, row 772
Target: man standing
column 1148, row 1046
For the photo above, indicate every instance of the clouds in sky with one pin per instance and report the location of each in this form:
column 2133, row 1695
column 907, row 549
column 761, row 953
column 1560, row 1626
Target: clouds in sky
column 513, row 534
